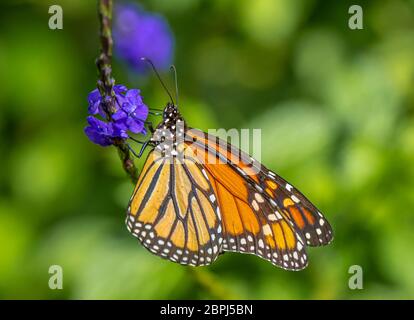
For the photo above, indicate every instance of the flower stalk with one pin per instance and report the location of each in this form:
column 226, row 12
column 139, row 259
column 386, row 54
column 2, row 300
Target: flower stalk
column 106, row 82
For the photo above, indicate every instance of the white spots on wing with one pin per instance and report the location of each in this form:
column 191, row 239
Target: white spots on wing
column 212, row 198
column 218, row 212
column 204, row 173
column 258, row 188
column 260, row 243
column 318, row 231
column 266, row 230
column 255, row 205
column 258, row 197
column 243, row 241
column 278, row 215
column 289, row 187
column 129, row 226
column 241, row 171
column 272, row 217
column 307, row 235
column 295, row 199
column 321, row 222
column 299, row 246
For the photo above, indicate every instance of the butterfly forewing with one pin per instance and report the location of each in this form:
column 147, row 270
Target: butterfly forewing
column 310, row 221
column 276, row 219
column 252, row 222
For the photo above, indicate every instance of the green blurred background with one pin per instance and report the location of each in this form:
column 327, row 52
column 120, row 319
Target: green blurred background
column 336, row 109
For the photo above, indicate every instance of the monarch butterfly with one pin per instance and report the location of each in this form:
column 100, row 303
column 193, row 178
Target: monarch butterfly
column 198, row 196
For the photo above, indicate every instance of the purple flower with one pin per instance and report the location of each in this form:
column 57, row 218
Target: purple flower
column 130, row 115
column 103, row 133
column 138, row 33
column 132, row 112
column 95, row 100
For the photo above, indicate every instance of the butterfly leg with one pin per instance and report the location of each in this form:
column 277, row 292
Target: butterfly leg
column 141, row 151
column 137, row 141
column 150, row 127
column 155, row 112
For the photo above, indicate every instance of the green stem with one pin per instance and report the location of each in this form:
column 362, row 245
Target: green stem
column 106, row 82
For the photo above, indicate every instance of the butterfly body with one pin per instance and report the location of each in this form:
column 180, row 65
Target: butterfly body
column 198, row 196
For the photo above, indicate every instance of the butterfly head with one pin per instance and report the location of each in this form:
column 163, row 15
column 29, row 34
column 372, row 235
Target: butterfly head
column 171, row 116
column 171, row 127
column 170, row 112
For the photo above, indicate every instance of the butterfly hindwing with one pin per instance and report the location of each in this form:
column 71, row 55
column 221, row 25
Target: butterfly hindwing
column 173, row 211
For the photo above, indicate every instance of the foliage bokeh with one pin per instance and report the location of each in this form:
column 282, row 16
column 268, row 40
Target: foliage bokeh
column 336, row 109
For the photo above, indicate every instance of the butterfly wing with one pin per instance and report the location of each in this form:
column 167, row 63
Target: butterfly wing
column 173, row 211
column 310, row 221
column 260, row 211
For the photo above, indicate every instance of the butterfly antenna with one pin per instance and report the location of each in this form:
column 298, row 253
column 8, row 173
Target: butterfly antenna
column 158, row 76
column 174, row 70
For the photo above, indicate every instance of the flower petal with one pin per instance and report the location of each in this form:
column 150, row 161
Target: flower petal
column 141, row 112
column 135, row 126
column 94, row 99
column 120, row 115
column 120, row 89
